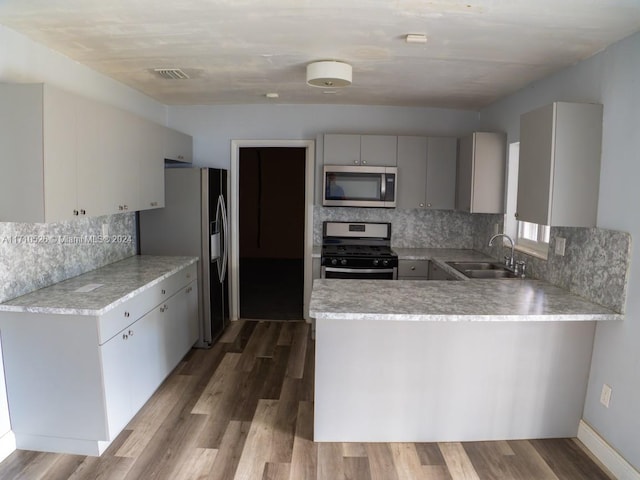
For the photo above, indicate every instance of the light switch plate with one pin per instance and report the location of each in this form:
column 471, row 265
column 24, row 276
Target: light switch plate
column 560, row 245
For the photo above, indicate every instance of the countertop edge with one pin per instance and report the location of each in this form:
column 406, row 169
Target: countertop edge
column 98, row 312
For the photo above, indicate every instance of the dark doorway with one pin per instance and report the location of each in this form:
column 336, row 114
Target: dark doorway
column 271, row 232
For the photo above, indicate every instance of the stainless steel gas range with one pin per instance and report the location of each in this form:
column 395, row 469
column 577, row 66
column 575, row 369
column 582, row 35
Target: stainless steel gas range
column 358, row 250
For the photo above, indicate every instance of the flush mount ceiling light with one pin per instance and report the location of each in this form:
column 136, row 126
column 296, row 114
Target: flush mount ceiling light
column 329, row 74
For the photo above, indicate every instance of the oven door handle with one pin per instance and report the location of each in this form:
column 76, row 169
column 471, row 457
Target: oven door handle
column 359, row 270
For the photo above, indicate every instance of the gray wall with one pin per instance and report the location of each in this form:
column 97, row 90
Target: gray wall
column 213, row 127
column 611, row 78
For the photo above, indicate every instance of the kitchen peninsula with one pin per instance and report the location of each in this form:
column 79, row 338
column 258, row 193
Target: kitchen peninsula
column 424, row 361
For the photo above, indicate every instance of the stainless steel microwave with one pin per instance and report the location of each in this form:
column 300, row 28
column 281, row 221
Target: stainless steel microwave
column 359, row 186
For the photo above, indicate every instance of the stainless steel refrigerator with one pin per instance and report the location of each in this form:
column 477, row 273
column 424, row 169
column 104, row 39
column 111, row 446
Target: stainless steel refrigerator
column 194, row 223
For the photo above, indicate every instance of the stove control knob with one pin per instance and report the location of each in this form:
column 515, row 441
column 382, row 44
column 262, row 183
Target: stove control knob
column 375, row 262
column 385, row 262
column 334, row 261
column 343, row 261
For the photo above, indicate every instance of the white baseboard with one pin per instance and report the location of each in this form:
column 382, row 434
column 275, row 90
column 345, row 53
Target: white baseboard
column 7, row 445
column 611, row 459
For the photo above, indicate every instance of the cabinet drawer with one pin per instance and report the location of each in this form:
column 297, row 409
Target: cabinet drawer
column 413, row 268
column 128, row 312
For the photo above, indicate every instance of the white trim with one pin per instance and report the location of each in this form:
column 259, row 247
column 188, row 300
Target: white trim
column 7, row 445
column 234, row 260
column 604, row 452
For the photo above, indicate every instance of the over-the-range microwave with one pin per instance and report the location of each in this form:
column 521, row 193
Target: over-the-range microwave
column 359, row 186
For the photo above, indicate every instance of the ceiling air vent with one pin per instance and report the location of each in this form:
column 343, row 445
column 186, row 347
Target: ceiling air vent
column 171, row 73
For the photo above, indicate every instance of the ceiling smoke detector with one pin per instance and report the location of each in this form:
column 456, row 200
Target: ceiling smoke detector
column 171, row 73
column 330, row 74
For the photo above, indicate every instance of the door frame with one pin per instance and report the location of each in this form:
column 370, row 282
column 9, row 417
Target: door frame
column 234, row 178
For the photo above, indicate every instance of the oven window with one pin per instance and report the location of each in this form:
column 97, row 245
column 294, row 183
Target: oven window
column 354, row 274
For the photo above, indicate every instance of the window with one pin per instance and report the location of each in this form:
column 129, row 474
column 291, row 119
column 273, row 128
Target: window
column 529, row 237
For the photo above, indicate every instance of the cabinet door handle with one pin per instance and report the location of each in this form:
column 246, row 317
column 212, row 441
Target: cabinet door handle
column 126, row 314
column 125, row 336
column 180, row 157
column 428, row 204
column 515, row 214
column 422, row 204
column 154, row 204
column 413, row 268
column 364, row 162
column 120, row 207
column 83, row 212
column 130, row 332
column 126, row 207
column 163, row 291
column 75, row 212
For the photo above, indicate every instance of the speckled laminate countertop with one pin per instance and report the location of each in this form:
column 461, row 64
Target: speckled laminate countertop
column 120, row 281
column 464, row 300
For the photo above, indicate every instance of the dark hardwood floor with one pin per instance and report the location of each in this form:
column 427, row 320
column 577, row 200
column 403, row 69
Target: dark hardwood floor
column 244, row 410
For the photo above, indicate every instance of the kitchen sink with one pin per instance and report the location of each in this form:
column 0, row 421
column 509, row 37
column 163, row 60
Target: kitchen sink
column 491, row 270
column 489, row 274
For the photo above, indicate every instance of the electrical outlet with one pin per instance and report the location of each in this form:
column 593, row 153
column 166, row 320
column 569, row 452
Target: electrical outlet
column 605, row 395
column 105, row 230
column 560, row 246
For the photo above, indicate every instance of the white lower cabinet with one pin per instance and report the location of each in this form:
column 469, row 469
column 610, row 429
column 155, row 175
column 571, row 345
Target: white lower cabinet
column 72, row 392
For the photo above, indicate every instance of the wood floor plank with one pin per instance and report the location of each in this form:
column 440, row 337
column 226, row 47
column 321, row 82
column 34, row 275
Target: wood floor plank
column 226, row 462
column 253, row 347
column 330, row 462
column 276, row 471
column 221, row 381
column 406, row 461
column 286, row 334
column 232, row 331
column 295, row 368
column 267, row 346
column 285, row 422
column 429, row 454
column 381, row 461
column 257, row 448
column 437, row 472
column 356, row 468
column 458, row 463
column 106, row 467
column 556, row 452
column 196, row 465
column 145, row 425
column 490, row 461
column 305, row 451
column 354, row 449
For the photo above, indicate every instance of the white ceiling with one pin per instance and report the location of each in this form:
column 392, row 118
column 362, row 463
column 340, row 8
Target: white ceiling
column 236, row 51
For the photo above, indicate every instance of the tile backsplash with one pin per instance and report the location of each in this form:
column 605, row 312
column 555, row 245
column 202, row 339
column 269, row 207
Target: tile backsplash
column 36, row 255
column 595, row 265
column 410, row 228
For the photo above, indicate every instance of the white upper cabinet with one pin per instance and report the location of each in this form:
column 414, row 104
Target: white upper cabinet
column 365, row 150
column 412, row 172
column 178, row 146
column 480, row 176
column 559, row 171
column 441, row 172
column 66, row 156
column 427, row 172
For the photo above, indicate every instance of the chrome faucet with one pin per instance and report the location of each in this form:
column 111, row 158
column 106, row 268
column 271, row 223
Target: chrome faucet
column 508, row 261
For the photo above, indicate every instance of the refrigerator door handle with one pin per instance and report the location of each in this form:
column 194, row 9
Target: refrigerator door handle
column 225, row 237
